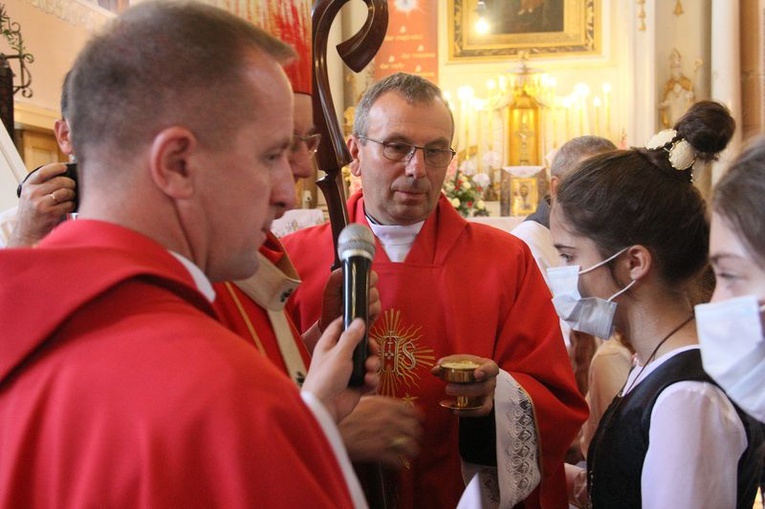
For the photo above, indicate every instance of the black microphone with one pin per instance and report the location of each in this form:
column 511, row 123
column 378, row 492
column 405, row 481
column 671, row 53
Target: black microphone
column 356, row 250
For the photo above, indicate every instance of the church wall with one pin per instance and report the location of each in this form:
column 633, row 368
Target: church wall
column 53, row 32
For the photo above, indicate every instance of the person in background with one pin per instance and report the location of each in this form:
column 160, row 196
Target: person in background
column 730, row 327
column 119, row 386
column 450, row 287
column 632, row 230
column 46, row 196
column 535, row 229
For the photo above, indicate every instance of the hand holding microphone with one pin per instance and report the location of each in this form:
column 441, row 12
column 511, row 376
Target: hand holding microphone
column 356, row 250
column 328, row 377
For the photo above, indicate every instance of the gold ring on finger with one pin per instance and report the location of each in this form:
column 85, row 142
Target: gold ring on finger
column 398, row 442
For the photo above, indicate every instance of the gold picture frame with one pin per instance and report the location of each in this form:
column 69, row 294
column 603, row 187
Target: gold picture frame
column 521, row 188
column 565, row 28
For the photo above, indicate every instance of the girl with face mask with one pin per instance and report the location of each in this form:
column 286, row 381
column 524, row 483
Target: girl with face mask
column 730, row 327
column 632, row 231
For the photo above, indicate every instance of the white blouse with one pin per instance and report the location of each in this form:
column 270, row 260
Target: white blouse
column 695, row 442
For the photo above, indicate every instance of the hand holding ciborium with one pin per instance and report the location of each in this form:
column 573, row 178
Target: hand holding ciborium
column 473, row 378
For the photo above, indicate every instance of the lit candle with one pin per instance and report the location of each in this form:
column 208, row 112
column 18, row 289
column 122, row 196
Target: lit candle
column 554, row 115
column 477, row 108
column 607, row 108
column 567, row 135
column 491, row 85
column 469, row 119
column 583, row 91
column 596, row 105
column 505, row 136
column 462, row 94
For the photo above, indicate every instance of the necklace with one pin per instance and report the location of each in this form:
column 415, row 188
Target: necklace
column 611, row 411
column 653, row 354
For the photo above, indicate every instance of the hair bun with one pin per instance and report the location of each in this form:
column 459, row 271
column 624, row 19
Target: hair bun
column 708, row 127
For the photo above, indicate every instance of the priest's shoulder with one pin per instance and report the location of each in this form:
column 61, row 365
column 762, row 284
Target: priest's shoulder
column 491, row 236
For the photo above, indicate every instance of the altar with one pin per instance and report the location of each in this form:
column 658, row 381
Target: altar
column 506, row 223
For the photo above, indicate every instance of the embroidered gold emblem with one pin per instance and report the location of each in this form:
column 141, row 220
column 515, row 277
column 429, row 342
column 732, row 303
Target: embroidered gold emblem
column 402, row 360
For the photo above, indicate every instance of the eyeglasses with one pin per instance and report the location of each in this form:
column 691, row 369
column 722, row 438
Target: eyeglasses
column 311, row 142
column 399, row 151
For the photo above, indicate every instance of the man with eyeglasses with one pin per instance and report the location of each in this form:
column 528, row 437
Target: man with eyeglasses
column 450, row 287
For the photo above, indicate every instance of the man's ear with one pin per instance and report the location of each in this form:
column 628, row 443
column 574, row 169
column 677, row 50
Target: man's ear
column 62, row 132
column 354, row 147
column 170, row 153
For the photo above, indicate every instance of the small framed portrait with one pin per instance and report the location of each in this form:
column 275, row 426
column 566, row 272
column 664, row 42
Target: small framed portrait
column 521, row 188
column 536, row 27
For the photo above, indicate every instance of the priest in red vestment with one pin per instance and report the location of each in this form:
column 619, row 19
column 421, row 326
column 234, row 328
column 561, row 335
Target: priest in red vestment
column 118, row 386
column 448, row 287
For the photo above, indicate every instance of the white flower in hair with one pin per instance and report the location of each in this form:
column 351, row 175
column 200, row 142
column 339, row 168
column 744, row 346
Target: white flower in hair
column 682, row 155
column 660, row 139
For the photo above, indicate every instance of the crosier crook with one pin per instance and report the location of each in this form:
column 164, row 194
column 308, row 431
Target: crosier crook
column 356, row 53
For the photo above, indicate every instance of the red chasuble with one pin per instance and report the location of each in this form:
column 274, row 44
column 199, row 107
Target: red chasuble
column 119, row 388
column 463, row 288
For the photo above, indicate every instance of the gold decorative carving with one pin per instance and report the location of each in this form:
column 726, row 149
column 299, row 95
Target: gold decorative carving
column 641, row 15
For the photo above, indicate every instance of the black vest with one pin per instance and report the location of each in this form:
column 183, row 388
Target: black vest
column 617, row 451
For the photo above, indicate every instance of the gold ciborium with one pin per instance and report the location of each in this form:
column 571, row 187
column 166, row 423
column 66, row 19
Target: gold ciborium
column 459, row 371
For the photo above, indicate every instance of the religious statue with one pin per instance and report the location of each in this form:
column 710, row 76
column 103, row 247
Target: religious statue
column 678, row 93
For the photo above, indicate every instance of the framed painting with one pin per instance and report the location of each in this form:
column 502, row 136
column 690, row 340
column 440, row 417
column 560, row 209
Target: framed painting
column 521, row 188
column 539, row 28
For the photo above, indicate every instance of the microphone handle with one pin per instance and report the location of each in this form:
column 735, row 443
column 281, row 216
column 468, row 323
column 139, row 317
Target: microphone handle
column 356, row 271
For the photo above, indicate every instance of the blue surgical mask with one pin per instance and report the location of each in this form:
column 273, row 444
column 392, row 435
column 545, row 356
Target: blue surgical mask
column 733, row 350
column 591, row 315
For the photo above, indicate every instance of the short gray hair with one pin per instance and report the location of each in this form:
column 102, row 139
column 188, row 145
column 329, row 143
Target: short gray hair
column 575, row 150
column 414, row 89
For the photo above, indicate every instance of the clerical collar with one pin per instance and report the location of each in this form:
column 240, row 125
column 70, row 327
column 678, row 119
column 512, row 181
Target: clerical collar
column 203, row 284
column 396, row 239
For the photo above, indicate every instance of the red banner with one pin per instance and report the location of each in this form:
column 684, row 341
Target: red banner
column 411, row 43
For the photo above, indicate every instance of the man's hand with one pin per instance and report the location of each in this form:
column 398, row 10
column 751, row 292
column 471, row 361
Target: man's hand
column 332, row 301
column 332, row 306
column 383, row 429
column 331, row 368
column 46, row 198
column 482, row 390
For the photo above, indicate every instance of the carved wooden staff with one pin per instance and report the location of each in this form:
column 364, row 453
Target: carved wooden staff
column 356, row 53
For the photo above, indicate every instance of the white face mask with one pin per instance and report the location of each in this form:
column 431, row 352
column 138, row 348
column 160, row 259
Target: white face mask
column 733, row 350
column 591, row 315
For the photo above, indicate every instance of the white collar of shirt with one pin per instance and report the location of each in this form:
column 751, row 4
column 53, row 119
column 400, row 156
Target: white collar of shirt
column 650, row 368
column 396, row 239
column 203, row 284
